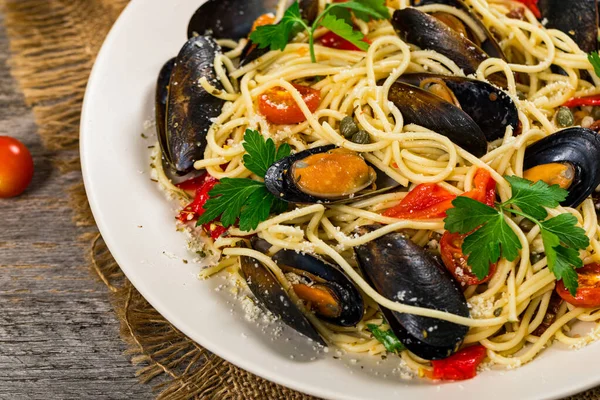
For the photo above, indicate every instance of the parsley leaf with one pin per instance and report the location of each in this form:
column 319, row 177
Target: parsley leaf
column 467, row 215
column 261, row 155
column 277, row 36
column 342, row 29
column 564, row 226
column 531, row 197
column 246, row 199
column 594, row 59
column 387, row 338
column 367, row 9
column 561, row 260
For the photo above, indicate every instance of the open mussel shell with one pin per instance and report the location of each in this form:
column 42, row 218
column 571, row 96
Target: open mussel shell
column 267, row 289
column 161, row 98
column 402, row 271
column 490, row 107
column 347, row 307
column 577, row 146
column 576, row 18
column 190, row 108
column 289, row 182
column 487, row 43
column 420, row 107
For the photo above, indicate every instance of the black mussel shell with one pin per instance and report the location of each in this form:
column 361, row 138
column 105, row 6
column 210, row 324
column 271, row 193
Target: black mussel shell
column 578, row 146
column 423, row 108
column 161, row 98
column 279, row 180
column 402, row 271
column 348, row 295
column 489, row 44
column 425, row 31
column 576, row 18
column 190, row 108
column 228, row 19
column 490, row 107
column 267, row 289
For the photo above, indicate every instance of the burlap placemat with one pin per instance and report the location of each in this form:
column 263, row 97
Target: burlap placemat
column 54, row 44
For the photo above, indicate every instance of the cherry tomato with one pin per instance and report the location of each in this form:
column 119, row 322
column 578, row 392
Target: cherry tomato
column 485, row 188
column 588, row 292
column 456, row 262
column 426, row 200
column 532, row 5
column 279, row 107
column 459, row 366
column 16, row 167
column 334, row 41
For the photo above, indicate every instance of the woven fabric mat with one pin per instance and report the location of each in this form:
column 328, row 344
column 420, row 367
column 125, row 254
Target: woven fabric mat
column 54, row 44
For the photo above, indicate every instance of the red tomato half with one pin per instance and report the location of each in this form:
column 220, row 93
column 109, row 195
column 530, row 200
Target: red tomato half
column 16, row 167
column 456, row 262
column 459, row 366
column 426, row 200
column 588, row 292
column 279, row 107
column 334, row 41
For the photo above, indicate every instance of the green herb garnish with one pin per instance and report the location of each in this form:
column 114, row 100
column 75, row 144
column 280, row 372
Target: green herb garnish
column 245, row 198
column 491, row 238
column 594, row 59
column 336, row 17
column 387, row 338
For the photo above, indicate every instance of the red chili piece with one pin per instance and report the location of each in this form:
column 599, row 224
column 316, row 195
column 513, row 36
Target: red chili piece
column 459, row 366
column 532, row 5
column 583, row 101
column 201, row 185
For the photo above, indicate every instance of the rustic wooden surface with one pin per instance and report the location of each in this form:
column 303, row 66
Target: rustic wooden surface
column 59, row 337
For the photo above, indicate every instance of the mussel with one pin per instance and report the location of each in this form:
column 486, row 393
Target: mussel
column 569, row 158
column 323, row 175
column 402, row 271
column 490, row 107
column 576, row 18
column 326, row 290
column 426, row 109
column 430, row 33
column 481, row 37
column 162, row 96
column 190, row 108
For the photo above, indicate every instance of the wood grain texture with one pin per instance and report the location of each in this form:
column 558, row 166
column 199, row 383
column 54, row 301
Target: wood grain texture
column 59, row 338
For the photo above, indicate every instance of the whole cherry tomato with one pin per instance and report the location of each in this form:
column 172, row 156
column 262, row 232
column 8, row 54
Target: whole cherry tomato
column 334, row 41
column 16, row 167
column 279, row 107
column 588, row 291
column 456, row 262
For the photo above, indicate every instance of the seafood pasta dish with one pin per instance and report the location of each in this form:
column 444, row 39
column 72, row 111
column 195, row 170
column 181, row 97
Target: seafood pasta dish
column 416, row 179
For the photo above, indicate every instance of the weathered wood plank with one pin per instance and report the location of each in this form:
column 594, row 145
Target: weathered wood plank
column 59, row 337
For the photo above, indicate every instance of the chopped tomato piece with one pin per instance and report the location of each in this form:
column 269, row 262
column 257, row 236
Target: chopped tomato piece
column 583, row 101
column 335, row 41
column 426, row 200
column 459, row 366
column 279, row 107
column 429, row 200
column 201, row 185
column 456, row 262
column 532, row 5
column 265, row 19
column 588, row 291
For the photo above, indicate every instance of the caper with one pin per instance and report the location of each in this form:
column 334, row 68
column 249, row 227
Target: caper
column 596, row 113
column 361, row 137
column 498, row 312
column 564, row 117
column 526, row 225
column 348, row 127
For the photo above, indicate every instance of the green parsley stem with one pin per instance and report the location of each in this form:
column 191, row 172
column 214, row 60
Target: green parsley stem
column 521, row 213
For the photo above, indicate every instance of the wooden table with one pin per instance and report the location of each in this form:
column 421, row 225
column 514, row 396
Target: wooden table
column 59, row 338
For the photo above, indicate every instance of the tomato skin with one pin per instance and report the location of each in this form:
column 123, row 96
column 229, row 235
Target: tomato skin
column 588, row 292
column 335, row 41
column 16, row 167
column 459, row 366
column 426, row 200
column 456, row 262
column 429, row 200
column 532, row 5
column 202, row 185
column 279, row 107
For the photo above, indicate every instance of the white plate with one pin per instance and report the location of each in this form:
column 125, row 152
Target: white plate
column 137, row 224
